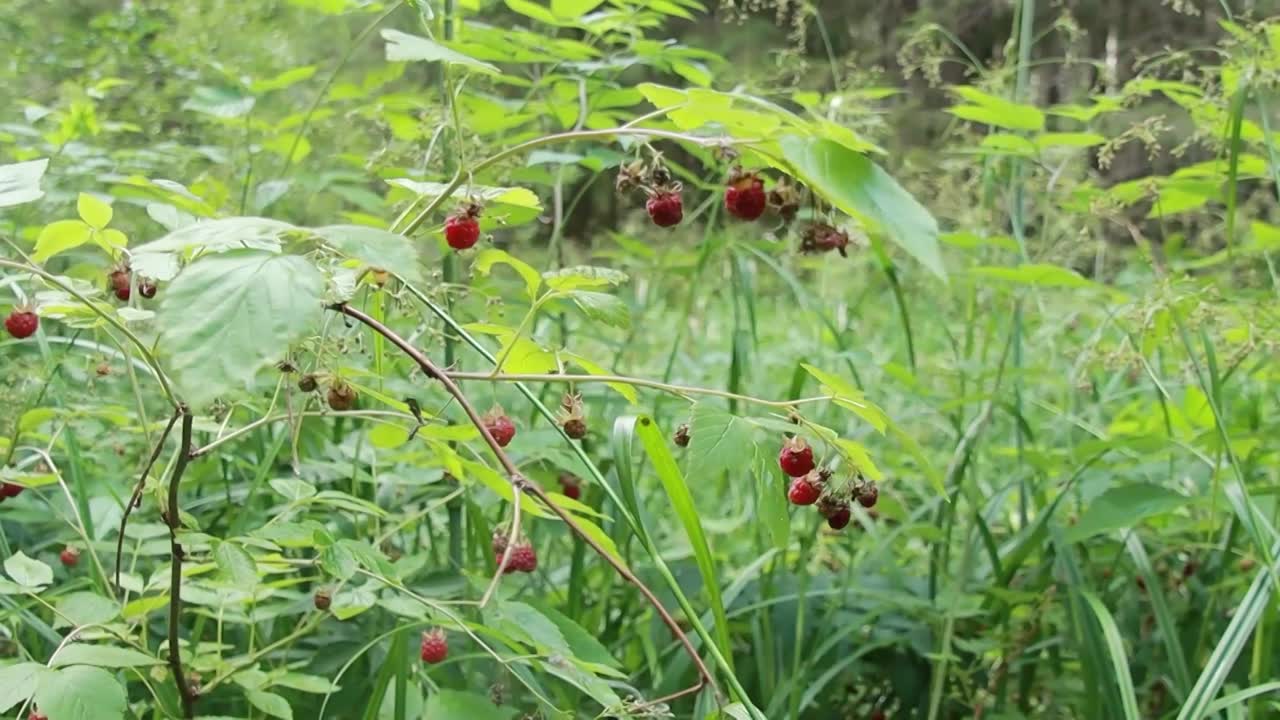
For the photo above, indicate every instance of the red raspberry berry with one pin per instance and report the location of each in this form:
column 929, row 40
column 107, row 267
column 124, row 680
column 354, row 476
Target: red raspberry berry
column 839, row 518
column 37, row 715
column 570, row 486
column 120, row 279
column 803, row 492
column 665, row 208
column 22, row 323
column 70, row 557
column 745, row 197
column 435, row 646
column 796, row 457
column 523, row 558
column 499, row 426
column 9, row 490
column 868, row 495
column 147, row 289
column 461, row 231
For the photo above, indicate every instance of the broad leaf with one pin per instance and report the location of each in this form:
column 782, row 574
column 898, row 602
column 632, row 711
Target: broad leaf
column 60, row 236
column 456, row 705
column 85, row 608
column 225, row 317
column 20, row 182
column 271, row 704
column 1123, row 507
column 1040, row 275
column 859, row 187
column 28, row 572
column 93, row 211
column 718, row 442
column 403, row 47
column 583, row 277
column 159, row 259
column 221, row 103
column 995, row 111
column 103, row 656
column 488, row 258
column 236, row 564
column 80, row 692
column 381, row 249
column 849, row 397
column 18, row 682
column 602, row 307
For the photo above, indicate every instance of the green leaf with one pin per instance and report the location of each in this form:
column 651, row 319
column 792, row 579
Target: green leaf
column 849, row 397
column 85, row 608
column 718, row 442
column 293, row 489
column 269, row 703
column 20, row 182
column 225, row 317
column 583, row 277
column 28, row 572
column 403, row 47
column 857, row 452
column 602, row 307
column 61, row 236
column 1039, row 275
column 282, row 80
column 1067, row 139
column 1115, row 649
column 457, row 705
column 381, row 249
column 18, row 682
column 159, row 259
column 1123, row 507
column 530, row 626
column 236, row 565
column 582, row 644
column 503, row 206
column 859, row 187
column 93, row 211
column 673, row 482
column 222, row 103
column 305, row 683
column 144, row 606
column 573, row 9
column 995, row 111
column 80, row 692
column 338, row 561
column 492, row 256
column 102, row 656
column 592, row 368
column 771, row 504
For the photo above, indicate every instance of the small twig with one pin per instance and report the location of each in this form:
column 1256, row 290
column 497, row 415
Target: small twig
column 137, row 490
column 683, row 391
column 521, row 484
column 512, row 536
column 173, row 520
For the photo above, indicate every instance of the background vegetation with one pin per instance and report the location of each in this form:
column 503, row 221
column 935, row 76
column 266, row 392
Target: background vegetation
column 1051, row 346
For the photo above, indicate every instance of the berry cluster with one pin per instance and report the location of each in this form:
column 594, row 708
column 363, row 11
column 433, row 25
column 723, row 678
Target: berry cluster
column 811, row 485
column 523, row 557
column 121, row 281
column 664, row 203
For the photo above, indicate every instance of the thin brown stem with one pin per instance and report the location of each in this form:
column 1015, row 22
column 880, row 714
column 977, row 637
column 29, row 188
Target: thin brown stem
column 174, row 521
column 137, row 490
column 522, row 484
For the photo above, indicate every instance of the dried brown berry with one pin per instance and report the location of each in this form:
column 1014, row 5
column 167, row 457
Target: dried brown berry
column 341, row 396
column 307, row 383
column 322, row 599
column 681, row 436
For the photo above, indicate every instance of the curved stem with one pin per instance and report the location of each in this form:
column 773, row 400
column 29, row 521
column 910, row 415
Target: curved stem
column 174, row 521
column 137, row 490
column 111, row 320
column 680, row 390
column 521, row 484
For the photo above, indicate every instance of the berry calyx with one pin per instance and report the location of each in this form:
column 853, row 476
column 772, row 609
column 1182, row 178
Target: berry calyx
column 499, row 426
column 665, row 208
column 341, row 396
column 22, row 323
column 499, row 543
column 322, row 599
column 570, row 486
column 69, row 557
column 681, row 436
column 745, row 197
column 147, row 289
column 803, row 492
column 435, row 646
column 307, row 383
column 9, row 490
column 796, row 457
column 868, row 494
column 462, row 229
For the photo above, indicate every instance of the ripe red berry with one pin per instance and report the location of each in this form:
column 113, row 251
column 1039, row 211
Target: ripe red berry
column 570, row 486
column 435, row 646
column 803, row 492
column 499, row 426
column 523, row 558
column 839, row 518
column 868, row 495
column 461, row 231
column 120, row 279
column 70, row 557
column 322, row 599
column 665, row 208
column 9, row 490
column 22, row 323
column 796, row 457
column 745, row 197
column 37, row 715
column 147, row 289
